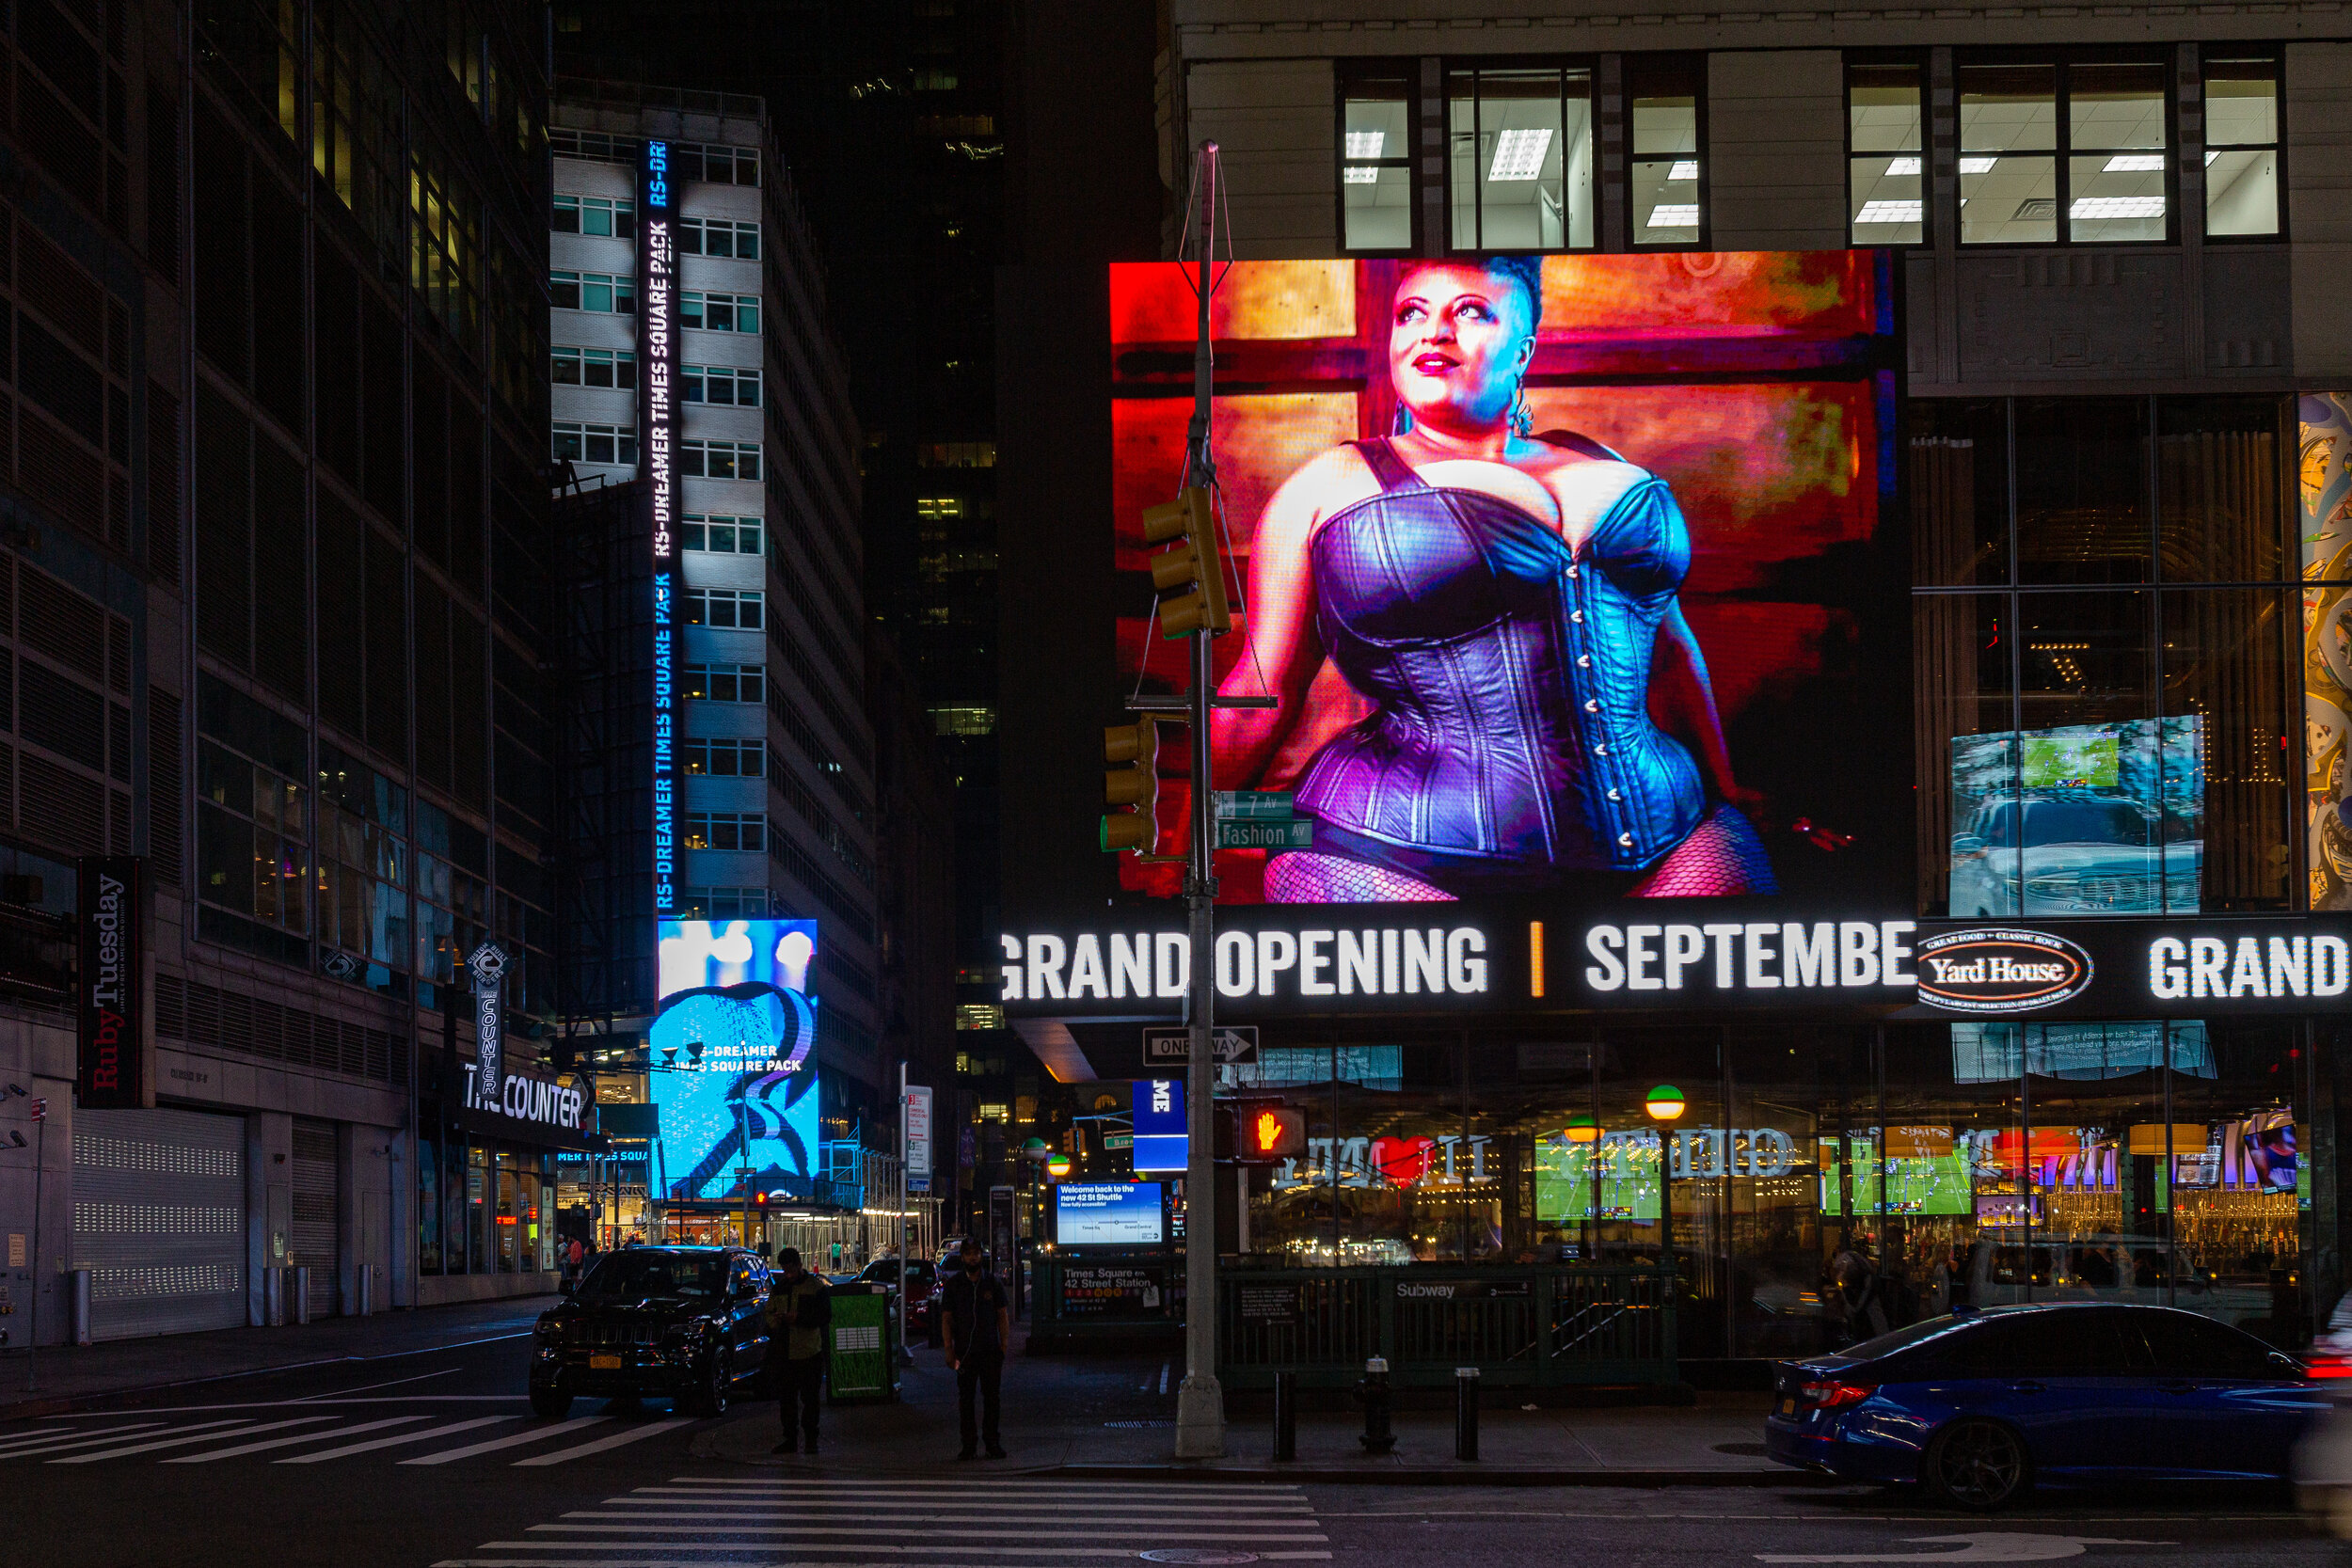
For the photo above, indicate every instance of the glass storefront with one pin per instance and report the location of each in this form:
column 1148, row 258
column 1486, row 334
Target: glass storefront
column 483, row 1207
column 1824, row 1183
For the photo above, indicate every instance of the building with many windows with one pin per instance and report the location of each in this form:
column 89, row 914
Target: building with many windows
column 2095, row 646
column 778, row 799
column 275, row 557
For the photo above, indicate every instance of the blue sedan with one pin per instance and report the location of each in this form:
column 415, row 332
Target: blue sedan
column 1980, row 1407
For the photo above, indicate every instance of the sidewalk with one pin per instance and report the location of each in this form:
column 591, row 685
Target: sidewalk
column 1107, row 1416
column 77, row 1379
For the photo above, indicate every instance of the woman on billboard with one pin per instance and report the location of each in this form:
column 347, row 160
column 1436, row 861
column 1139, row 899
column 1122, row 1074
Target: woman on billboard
column 1541, row 715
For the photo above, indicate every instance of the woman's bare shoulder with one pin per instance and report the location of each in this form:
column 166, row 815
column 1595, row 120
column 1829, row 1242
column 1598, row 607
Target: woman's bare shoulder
column 1332, row 478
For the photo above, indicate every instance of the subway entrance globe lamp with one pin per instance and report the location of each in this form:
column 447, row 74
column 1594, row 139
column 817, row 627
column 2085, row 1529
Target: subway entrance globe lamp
column 1665, row 1103
column 1583, row 1130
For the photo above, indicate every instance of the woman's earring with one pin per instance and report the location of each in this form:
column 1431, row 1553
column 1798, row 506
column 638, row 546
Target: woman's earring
column 1523, row 416
column 1403, row 423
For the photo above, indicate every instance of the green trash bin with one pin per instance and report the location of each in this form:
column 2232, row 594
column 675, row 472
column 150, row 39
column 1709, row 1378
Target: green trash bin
column 864, row 1353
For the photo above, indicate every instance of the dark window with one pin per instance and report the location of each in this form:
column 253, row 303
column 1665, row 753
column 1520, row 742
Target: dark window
column 2185, row 1345
column 1666, row 104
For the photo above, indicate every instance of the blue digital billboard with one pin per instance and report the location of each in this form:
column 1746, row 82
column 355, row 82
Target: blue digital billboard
column 731, row 1045
column 1161, row 1143
column 1108, row 1213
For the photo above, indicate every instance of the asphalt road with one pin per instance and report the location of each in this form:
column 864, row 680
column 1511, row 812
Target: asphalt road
column 434, row 1458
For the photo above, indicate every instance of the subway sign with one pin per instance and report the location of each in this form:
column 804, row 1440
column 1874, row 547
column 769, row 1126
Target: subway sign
column 1678, row 956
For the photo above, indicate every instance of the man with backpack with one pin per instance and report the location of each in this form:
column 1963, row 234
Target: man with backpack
column 800, row 1308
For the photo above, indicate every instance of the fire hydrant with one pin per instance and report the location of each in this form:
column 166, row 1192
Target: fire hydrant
column 1374, row 1390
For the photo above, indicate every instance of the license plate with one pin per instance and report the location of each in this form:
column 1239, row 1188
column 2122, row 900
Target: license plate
column 1789, row 1407
column 604, row 1363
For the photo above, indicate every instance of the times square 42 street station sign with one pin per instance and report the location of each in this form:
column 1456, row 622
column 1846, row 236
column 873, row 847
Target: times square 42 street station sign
column 1696, row 954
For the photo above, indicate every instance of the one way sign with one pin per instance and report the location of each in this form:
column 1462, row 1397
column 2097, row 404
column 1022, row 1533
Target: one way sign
column 1173, row 1046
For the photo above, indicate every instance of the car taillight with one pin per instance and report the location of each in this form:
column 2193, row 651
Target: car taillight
column 1837, row 1396
column 2325, row 1366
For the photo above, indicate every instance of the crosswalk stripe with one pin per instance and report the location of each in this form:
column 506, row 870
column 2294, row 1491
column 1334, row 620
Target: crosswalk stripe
column 751, row 1506
column 1123, row 1552
column 616, row 1440
column 397, row 1439
column 289, row 1442
column 54, row 1442
column 183, row 1440
column 1154, row 1531
column 1113, row 1526
column 533, row 1435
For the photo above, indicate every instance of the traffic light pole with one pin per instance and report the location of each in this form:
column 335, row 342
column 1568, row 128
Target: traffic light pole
column 1199, row 1402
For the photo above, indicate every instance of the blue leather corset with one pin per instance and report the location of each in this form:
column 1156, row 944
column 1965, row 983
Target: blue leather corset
column 1511, row 734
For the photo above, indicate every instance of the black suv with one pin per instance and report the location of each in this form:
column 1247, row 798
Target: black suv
column 680, row 1322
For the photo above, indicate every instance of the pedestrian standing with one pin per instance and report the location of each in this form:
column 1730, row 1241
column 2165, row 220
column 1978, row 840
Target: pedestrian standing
column 979, row 1327
column 799, row 1309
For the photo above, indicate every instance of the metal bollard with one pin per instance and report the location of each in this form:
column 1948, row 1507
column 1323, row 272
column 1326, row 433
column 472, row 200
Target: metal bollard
column 1378, row 1438
column 77, row 1284
column 298, row 1287
column 272, row 1297
column 366, row 1290
column 1466, row 1413
column 1286, row 1414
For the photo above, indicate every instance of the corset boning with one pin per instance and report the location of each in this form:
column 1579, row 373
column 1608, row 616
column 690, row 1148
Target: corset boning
column 1510, row 678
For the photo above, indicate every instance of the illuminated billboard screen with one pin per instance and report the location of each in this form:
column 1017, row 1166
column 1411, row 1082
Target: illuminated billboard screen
column 1565, row 574
column 1107, row 1213
column 732, row 1049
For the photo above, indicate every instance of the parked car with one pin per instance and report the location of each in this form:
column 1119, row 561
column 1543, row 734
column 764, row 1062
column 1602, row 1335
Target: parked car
column 1980, row 1407
column 677, row 1323
column 2070, row 853
column 921, row 1275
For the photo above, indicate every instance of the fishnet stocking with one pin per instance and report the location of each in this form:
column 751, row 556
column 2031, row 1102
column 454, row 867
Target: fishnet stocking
column 1722, row 856
column 1303, row 876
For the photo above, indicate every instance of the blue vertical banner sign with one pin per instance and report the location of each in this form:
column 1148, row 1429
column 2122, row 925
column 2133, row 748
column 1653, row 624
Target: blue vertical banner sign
column 657, row 421
column 487, row 965
column 1161, row 1141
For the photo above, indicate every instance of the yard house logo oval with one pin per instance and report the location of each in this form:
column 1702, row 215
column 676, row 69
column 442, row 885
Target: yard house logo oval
column 1992, row 969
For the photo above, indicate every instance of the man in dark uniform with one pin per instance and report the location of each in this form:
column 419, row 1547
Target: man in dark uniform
column 799, row 1308
column 979, row 1327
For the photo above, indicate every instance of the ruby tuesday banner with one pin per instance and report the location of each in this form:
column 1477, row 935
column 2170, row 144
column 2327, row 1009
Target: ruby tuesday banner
column 1679, row 955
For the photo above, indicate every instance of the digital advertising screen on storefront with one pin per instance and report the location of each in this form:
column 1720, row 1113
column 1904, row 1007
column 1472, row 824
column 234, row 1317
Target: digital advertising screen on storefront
column 731, row 1050
column 1565, row 575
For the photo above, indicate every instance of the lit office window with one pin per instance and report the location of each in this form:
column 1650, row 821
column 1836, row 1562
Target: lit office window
column 2242, row 146
column 2089, row 139
column 2008, row 154
column 2118, row 164
column 1522, row 159
column 1887, row 163
column 1665, row 96
column 1377, row 164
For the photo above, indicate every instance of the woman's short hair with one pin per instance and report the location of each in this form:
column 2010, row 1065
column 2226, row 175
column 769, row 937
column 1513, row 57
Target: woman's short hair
column 1528, row 272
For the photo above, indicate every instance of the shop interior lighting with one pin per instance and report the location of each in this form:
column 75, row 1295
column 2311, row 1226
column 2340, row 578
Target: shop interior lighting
column 1366, row 144
column 1519, row 154
column 1903, row 166
column 1978, row 165
column 1687, row 168
column 1889, row 212
column 1674, row 214
column 2135, row 162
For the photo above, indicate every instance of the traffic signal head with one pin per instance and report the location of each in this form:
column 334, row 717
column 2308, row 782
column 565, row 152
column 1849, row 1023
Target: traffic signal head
column 1273, row 1133
column 1132, row 784
column 1191, row 577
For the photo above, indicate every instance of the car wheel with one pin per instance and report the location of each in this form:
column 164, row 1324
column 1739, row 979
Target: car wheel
column 1979, row 1464
column 550, row 1404
column 710, row 1398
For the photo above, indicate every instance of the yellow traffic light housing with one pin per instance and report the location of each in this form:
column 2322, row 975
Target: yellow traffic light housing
column 1132, row 784
column 1193, row 572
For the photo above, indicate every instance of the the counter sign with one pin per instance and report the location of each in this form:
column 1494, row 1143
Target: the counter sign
column 1997, row 970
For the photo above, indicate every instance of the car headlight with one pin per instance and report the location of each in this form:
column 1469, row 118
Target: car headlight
column 548, row 1331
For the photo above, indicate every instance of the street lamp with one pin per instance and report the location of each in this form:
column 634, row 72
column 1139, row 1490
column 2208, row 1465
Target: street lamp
column 1058, row 1166
column 1665, row 1106
column 1583, row 1130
